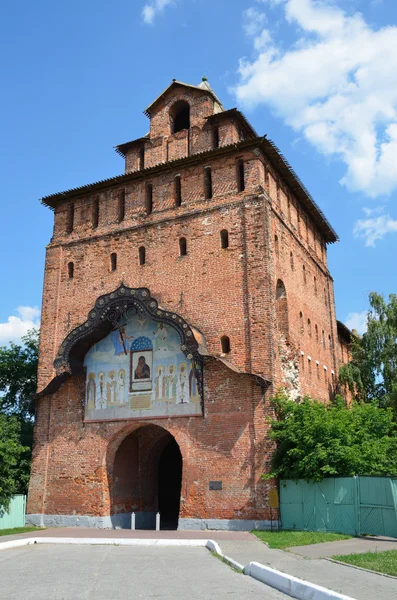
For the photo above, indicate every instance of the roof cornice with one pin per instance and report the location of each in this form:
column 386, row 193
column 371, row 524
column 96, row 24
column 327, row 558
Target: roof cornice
column 270, row 152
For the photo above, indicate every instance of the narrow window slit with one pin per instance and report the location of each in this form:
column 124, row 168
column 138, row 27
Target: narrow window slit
column 113, row 261
column 177, row 190
column 225, row 344
column 142, row 255
column 207, row 183
column 149, row 198
column 182, row 247
column 224, row 239
column 240, row 176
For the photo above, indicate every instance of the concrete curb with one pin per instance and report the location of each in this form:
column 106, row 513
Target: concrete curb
column 102, row 542
column 297, row 588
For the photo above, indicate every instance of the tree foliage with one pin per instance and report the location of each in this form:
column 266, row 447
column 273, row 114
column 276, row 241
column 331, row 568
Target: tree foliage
column 372, row 373
column 316, row 440
column 14, row 459
column 18, row 376
column 18, row 381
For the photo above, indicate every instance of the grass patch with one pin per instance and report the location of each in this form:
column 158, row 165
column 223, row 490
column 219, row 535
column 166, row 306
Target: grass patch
column 18, row 530
column 384, row 562
column 226, row 562
column 288, row 539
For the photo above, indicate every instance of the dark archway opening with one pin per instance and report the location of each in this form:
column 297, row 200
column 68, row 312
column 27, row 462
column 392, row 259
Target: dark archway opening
column 169, row 485
column 180, row 116
column 146, row 478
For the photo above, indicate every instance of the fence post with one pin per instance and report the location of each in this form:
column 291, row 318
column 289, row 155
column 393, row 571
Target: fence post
column 356, row 493
column 158, row 521
column 133, row 521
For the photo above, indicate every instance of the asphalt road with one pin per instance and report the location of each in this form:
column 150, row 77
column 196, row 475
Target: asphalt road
column 46, row 572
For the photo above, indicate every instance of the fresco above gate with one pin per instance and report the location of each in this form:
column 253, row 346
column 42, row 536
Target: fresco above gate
column 139, row 370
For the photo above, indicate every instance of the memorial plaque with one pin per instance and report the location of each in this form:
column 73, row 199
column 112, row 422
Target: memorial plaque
column 215, row 485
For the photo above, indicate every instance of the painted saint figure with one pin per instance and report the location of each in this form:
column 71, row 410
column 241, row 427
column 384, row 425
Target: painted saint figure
column 142, row 370
column 121, row 387
column 172, row 379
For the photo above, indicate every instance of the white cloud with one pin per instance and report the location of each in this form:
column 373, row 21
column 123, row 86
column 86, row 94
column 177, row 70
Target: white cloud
column 254, row 21
column 150, row 11
column 374, row 228
column 335, row 85
column 15, row 327
column 357, row 321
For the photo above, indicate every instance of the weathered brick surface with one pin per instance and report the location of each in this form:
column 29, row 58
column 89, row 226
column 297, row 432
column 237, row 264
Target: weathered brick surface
column 273, row 242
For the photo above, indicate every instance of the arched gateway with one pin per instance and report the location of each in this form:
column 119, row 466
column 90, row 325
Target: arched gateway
column 145, row 477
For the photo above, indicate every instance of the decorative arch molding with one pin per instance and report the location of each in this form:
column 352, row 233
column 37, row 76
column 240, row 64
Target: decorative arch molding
column 109, row 313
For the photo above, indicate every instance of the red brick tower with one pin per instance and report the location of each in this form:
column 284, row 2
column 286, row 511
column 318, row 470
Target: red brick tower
column 177, row 297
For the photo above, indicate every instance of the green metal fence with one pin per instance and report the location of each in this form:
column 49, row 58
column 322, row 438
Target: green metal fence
column 353, row 505
column 15, row 515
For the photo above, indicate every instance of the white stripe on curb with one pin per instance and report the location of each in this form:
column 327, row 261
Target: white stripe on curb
column 297, row 588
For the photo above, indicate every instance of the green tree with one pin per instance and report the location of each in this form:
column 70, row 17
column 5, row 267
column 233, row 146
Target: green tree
column 372, row 373
column 18, row 382
column 315, row 440
column 13, row 468
column 18, row 376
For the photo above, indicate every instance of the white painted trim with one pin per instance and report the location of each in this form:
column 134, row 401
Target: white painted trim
column 297, row 588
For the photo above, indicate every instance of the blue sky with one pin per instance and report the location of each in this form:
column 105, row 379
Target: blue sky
column 319, row 78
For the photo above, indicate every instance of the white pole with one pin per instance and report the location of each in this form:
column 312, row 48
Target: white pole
column 133, row 521
column 158, row 521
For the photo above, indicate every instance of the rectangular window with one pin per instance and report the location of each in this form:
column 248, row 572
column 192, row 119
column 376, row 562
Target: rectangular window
column 207, row 183
column 121, row 206
column 177, row 190
column 70, row 219
column 95, row 213
column 215, row 137
column 149, row 198
column 240, row 176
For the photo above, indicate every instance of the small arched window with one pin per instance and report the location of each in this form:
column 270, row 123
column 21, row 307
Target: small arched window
column 225, row 344
column 323, row 335
column 301, row 322
column 113, row 261
column 304, row 274
column 224, row 239
column 316, row 332
column 95, row 213
column 177, row 190
column 142, row 255
column 180, row 116
column 309, row 327
column 71, row 270
column 182, row 246
column 291, row 261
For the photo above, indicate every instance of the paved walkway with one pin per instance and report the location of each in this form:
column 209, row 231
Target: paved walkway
column 346, row 580
column 123, row 572
column 352, row 546
column 305, row 562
